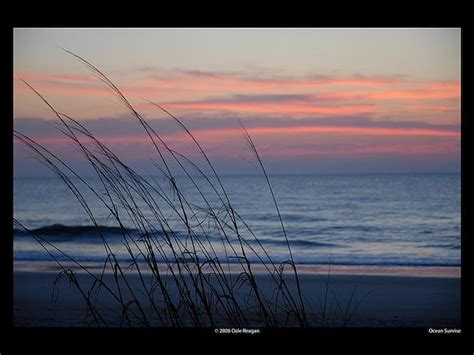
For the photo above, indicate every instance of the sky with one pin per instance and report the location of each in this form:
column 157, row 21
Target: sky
column 314, row 100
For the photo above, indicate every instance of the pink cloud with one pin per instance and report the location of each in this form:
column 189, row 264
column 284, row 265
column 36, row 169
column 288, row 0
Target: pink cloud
column 213, row 135
column 295, row 108
column 359, row 151
column 210, row 92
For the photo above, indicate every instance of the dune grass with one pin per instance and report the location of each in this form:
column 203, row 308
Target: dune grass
column 183, row 281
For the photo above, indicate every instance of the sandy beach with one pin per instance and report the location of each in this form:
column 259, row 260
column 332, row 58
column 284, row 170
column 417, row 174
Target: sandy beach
column 383, row 300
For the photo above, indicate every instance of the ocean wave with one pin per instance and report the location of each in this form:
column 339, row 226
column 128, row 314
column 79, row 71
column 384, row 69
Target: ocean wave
column 60, row 229
column 307, row 247
column 350, row 228
column 298, row 242
column 441, row 245
column 90, row 233
column 388, row 261
column 289, row 218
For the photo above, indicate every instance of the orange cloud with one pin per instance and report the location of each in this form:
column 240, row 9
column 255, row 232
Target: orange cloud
column 209, row 92
column 220, row 134
column 336, row 130
column 296, row 108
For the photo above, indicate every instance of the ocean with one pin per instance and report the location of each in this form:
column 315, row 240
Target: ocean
column 372, row 219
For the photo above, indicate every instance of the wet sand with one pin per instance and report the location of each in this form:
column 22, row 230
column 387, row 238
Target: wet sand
column 383, row 299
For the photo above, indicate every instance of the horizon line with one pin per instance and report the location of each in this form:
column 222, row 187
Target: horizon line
column 278, row 174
